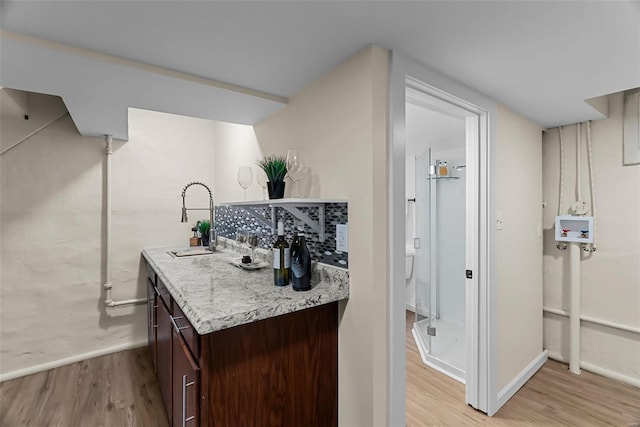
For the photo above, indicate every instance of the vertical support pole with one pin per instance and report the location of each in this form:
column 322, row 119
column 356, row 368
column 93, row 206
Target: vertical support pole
column 574, row 320
column 108, row 151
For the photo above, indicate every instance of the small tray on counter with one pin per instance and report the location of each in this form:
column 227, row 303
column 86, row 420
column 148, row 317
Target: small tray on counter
column 190, row 252
column 250, row 266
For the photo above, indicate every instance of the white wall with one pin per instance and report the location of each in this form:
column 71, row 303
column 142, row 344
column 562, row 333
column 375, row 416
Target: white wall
column 518, row 187
column 51, row 220
column 611, row 275
column 340, row 122
column 236, row 145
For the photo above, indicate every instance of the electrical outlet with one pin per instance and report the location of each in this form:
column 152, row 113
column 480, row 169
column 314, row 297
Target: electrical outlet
column 342, row 238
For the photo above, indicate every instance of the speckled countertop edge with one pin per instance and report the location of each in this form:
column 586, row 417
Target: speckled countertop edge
column 214, row 295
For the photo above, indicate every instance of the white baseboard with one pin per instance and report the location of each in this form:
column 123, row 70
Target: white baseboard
column 72, row 359
column 598, row 370
column 510, row 389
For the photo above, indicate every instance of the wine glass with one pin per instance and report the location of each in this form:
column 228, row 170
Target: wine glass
column 245, row 178
column 295, row 166
column 241, row 236
column 252, row 241
column 261, row 177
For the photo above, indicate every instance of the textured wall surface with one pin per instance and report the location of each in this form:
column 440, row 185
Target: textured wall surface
column 611, row 275
column 51, row 220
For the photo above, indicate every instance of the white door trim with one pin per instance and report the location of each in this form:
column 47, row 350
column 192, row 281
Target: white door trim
column 480, row 305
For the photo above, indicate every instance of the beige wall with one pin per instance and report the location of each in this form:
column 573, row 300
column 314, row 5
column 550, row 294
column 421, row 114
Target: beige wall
column 340, row 122
column 51, row 220
column 611, row 275
column 236, row 145
column 518, row 186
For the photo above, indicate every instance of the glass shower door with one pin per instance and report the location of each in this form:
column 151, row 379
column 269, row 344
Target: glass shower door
column 423, row 256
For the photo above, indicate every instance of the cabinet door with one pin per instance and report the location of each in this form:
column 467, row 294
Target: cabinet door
column 163, row 340
column 186, row 384
column 152, row 325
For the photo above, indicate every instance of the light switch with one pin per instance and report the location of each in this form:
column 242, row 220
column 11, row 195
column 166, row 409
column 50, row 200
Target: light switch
column 499, row 221
column 342, row 238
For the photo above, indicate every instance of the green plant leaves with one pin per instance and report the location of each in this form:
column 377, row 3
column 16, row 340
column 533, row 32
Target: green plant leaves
column 274, row 166
column 204, row 226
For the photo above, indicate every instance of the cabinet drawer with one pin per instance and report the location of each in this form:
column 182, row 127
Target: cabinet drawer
column 150, row 273
column 163, row 292
column 191, row 337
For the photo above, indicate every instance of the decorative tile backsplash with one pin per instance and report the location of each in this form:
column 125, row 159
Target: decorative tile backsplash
column 228, row 219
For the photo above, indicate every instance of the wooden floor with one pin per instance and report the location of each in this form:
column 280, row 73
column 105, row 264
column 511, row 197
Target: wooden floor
column 116, row 390
column 121, row 390
column 553, row 397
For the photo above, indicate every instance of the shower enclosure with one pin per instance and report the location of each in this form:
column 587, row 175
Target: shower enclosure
column 439, row 266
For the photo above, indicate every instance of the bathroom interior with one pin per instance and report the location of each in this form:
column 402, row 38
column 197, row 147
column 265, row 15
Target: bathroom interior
column 435, row 184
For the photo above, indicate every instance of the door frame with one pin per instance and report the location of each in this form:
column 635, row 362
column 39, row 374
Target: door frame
column 480, row 305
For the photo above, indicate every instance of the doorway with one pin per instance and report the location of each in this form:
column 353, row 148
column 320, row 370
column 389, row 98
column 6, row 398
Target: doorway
column 446, row 231
column 435, row 185
column 411, row 81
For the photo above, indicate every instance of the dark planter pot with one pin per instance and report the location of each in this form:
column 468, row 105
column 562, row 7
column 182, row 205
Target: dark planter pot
column 276, row 189
column 205, row 240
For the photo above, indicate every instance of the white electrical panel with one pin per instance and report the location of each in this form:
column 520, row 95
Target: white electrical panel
column 574, row 229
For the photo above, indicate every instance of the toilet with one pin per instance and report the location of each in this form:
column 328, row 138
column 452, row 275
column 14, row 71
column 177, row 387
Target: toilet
column 410, row 252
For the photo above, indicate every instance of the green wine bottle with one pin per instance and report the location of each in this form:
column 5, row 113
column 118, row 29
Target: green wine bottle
column 281, row 258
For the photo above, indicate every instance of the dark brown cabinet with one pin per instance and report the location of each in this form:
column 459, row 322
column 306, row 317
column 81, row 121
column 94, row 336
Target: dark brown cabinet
column 186, row 383
column 152, row 305
column 163, row 345
column 280, row 371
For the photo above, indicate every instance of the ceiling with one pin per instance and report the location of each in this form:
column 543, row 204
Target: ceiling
column 427, row 128
column 542, row 59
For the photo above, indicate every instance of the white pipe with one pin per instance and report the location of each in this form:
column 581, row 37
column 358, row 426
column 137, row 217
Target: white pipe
column 126, row 302
column 592, row 183
column 44, row 126
column 109, row 302
column 574, row 319
column 594, row 320
column 578, row 169
column 107, row 239
column 561, row 170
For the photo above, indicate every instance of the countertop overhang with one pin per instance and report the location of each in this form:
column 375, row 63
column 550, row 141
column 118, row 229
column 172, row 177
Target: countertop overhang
column 216, row 295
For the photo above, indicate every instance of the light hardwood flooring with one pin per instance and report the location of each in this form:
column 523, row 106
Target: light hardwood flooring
column 553, row 397
column 116, row 390
column 121, row 390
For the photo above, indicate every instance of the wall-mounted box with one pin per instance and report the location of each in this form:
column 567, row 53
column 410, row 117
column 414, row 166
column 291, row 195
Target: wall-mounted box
column 574, row 229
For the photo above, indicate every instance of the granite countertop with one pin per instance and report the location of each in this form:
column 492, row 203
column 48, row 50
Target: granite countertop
column 216, row 295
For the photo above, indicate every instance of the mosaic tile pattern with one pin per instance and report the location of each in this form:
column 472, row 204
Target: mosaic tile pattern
column 229, row 219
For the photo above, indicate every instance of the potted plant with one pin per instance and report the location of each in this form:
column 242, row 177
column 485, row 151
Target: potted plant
column 275, row 167
column 204, row 227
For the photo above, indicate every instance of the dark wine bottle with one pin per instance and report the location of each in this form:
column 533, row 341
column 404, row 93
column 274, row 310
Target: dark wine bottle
column 294, row 247
column 281, row 258
column 301, row 265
